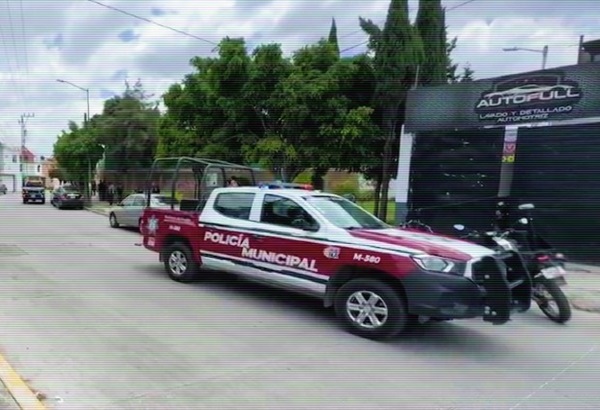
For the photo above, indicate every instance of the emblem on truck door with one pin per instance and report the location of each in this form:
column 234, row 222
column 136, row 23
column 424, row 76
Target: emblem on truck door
column 331, row 252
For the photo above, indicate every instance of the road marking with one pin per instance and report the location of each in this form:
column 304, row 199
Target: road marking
column 18, row 389
column 553, row 379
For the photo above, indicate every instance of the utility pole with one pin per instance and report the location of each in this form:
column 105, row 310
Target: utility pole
column 23, row 123
column 86, row 123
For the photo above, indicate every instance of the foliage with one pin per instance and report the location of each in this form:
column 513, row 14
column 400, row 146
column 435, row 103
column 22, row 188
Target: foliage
column 128, row 127
column 333, row 37
column 398, row 51
column 76, row 151
column 287, row 115
column 432, row 30
column 297, row 116
column 348, row 186
column 468, row 74
column 304, row 177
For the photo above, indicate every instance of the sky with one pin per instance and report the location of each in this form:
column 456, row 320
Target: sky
column 98, row 48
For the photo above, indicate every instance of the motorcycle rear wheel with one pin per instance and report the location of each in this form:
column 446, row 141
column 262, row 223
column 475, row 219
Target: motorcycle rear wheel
column 556, row 307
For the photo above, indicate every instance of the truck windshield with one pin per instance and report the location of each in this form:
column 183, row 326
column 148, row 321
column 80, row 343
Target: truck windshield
column 345, row 214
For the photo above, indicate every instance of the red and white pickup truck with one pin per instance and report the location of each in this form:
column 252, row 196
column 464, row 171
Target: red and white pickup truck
column 377, row 277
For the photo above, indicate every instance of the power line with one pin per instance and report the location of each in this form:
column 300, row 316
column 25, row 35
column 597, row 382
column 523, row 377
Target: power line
column 18, row 87
column 354, row 46
column 464, row 3
column 153, row 22
column 24, row 38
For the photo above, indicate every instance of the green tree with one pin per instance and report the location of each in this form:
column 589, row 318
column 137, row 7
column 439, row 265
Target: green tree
column 333, row 37
column 128, row 127
column 398, row 52
column 451, row 69
column 77, row 151
column 432, row 29
column 317, row 125
column 468, row 75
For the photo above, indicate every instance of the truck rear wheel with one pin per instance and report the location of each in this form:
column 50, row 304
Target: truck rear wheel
column 179, row 263
column 371, row 309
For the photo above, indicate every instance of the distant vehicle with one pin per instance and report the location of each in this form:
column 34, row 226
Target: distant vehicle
column 528, row 89
column 129, row 211
column 67, row 196
column 34, row 189
column 3, row 189
column 285, row 185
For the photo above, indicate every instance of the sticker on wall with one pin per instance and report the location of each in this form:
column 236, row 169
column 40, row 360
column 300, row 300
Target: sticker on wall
column 509, row 148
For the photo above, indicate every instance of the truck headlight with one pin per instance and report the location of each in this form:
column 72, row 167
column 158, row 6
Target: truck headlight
column 441, row 265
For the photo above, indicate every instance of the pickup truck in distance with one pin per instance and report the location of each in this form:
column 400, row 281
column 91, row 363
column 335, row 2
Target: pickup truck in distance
column 34, row 190
column 378, row 278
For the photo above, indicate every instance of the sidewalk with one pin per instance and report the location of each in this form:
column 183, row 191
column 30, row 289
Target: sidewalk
column 583, row 288
column 98, row 207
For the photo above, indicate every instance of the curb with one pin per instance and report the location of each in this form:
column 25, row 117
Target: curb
column 26, row 399
column 97, row 211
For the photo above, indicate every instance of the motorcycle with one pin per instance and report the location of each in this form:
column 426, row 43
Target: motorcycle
column 547, row 267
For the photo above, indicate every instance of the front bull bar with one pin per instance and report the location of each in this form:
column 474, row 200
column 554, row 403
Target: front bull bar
column 507, row 283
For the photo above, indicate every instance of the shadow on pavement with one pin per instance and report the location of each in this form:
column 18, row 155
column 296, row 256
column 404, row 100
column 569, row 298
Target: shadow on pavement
column 433, row 337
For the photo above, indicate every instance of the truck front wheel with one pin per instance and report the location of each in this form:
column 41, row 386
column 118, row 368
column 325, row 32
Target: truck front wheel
column 371, row 309
column 179, row 263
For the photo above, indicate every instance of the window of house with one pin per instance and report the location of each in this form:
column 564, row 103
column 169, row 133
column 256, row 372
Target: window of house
column 235, row 205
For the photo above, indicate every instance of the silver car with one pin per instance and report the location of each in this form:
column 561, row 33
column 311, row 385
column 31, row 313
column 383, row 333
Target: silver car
column 128, row 212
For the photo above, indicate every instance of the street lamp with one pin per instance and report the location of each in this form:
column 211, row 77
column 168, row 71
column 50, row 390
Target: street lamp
column 88, row 196
column 543, row 51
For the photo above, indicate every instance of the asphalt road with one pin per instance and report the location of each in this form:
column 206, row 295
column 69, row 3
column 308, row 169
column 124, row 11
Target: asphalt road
column 91, row 321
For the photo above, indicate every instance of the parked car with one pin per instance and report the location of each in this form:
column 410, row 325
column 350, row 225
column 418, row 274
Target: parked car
column 67, row 196
column 129, row 211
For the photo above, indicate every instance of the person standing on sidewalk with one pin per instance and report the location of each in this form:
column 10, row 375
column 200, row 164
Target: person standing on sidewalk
column 120, row 190
column 112, row 191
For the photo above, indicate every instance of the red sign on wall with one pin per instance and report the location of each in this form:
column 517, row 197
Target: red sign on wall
column 509, row 148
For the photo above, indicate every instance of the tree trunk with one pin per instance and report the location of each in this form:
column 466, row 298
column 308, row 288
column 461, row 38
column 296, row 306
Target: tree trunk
column 388, row 155
column 377, row 195
column 317, row 179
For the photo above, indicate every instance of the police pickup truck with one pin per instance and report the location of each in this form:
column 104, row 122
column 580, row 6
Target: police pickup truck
column 378, row 278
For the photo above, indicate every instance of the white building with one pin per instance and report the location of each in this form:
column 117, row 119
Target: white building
column 10, row 167
column 16, row 164
column 30, row 163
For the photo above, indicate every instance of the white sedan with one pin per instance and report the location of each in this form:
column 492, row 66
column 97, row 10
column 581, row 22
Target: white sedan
column 128, row 212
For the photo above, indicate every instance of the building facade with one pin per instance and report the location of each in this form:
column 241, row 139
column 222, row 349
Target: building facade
column 30, row 163
column 10, row 167
column 524, row 138
column 16, row 163
column 49, row 166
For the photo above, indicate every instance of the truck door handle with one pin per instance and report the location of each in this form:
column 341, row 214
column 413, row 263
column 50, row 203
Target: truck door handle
column 258, row 237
